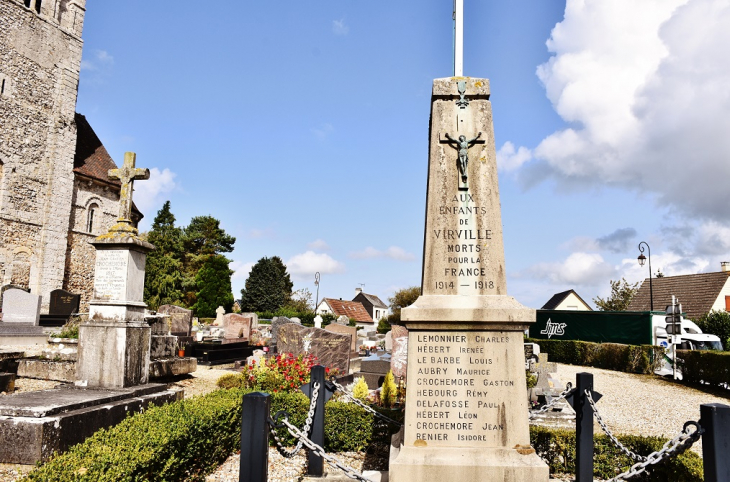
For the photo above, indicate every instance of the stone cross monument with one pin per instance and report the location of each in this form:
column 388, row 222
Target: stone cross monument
column 114, row 344
column 466, row 413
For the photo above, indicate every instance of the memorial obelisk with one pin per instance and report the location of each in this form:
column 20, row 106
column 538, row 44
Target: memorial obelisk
column 466, row 400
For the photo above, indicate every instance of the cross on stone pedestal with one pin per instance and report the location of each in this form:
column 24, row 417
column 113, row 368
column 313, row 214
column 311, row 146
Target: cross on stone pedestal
column 127, row 175
column 462, row 145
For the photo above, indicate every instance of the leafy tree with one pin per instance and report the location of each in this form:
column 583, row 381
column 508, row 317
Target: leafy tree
column 716, row 322
column 401, row 299
column 214, row 286
column 268, row 286
column 164, row 278
column 300, row 301
column 202, row 238
column 622, row 292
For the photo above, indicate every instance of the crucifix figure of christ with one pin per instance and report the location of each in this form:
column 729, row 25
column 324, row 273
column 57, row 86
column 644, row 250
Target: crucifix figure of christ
column 127, row 175
column 462, row 144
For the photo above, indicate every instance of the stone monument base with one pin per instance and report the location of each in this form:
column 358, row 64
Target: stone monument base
column 34, row 425
column 113, row 354
column 464, row 464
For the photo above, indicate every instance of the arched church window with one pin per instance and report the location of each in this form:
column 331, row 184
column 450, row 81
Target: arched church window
column 92, row 218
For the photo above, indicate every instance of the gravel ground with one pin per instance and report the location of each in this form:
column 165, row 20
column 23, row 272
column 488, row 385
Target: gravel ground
column 631, row 404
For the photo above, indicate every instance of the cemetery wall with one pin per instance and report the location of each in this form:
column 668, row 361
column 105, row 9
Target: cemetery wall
column 39, row 71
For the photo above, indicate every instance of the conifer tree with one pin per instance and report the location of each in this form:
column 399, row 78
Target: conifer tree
column 163, row 277
column 214, row 286
column 389, row 391
column 268, row 286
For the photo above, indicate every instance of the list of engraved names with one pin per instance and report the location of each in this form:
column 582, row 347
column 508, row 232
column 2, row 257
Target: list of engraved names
column 110, row 275
column 461, row 387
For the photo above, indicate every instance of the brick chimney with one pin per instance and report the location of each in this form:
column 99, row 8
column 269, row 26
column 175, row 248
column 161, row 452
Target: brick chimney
column 359, row 290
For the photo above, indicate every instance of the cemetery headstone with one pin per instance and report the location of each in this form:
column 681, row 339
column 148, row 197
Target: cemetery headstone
column 219, row 312
column 10, row 287
column 21, row 307
column 237, row 327
column 63, row 303
column 181, row 319
column 389, row 341
column 331, row 349
column 276, row 323
column 399, row 353
column 296, row 320
column 318, row 321
column 374, row 369
column 351, row 331
column 465, row 334
column 343, row 320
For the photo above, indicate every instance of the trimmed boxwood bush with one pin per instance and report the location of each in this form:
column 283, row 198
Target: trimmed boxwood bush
column 557, row 448
column 187, row 439
column 700, row 366
column 610, row 356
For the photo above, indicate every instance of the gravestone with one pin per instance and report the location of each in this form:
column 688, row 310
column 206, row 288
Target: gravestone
column 63, row 303
column 465, row 334
column 219, row 312
column 399, row 353
column 237, row 327
column 331, row 349
column 21, row 307
column 318, row 321
column 10, row 287
column 351, row 331
column 373, row 369
column 181, row 319
column 343, row 320
column 276, row 323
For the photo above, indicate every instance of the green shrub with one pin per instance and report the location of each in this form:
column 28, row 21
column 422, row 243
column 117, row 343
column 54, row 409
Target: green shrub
column 231, row 380
column 360, row 390
column 711, row 367
column 609, row 356
column 716, row 322
column 389, row 391
column 531, row 379
column 383, row 326
column 557, row 448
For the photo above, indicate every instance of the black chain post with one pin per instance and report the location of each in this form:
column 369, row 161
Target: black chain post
column 315, row 466
column 254, row 465
column 583, row 428
column 715, row 420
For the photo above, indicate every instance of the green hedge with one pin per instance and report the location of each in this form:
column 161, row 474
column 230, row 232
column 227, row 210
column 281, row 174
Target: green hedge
column 187, row 439
column 700, row 366
column 557, row 448
column 610, row 356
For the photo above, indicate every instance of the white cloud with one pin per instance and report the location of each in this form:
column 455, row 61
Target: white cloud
column 644, row 88
column 339, row 27
column 148, row 194
column 318, row 245
column 323, row 131
column 509, row 159
column 306, row 264
column 241, row 269
column 100, row 60
column 578, row 269
column 393, row 252
column 260, row 233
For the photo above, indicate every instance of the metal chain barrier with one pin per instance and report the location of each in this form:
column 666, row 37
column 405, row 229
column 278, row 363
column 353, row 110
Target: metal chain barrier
column 548, row 406
column 676, row 446
column 599, row 419
column 363, row 405
column 307, row 425
column 303, row 439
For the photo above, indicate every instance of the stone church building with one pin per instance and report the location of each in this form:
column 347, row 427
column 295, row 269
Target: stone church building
column 55, row 193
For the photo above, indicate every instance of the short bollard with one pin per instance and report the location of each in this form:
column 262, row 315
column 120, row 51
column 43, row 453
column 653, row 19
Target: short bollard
column 255, row 438
column 715, row 420
column 583, row 428
column 315, row 466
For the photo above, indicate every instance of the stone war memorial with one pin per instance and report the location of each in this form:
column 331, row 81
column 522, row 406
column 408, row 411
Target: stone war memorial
column 466, row 414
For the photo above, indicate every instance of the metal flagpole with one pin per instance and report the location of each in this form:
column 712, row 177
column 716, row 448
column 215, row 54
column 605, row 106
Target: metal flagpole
column 458, row 16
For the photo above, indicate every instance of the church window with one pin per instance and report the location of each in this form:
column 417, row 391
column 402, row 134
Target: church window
column 90, row 218
column 34, row 4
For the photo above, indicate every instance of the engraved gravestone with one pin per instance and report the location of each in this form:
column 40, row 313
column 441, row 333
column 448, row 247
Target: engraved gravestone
column 21, row 307
column 466, row 399
column 276, row 323
column 181, row 319
column 331, row 349
column 399, row 353
column 351, row 331
column 63, row 303
column 236, row 327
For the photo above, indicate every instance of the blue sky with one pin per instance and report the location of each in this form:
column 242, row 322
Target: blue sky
column 303, row 127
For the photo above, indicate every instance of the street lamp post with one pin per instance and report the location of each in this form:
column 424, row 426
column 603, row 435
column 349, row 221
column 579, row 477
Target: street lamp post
column 642, row 260
column 316, row 282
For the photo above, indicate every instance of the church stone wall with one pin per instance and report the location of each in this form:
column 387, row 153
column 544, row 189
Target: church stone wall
column 80, row 255
column 40, row 56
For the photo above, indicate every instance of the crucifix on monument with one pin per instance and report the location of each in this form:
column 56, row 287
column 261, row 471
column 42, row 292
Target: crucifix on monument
column 127, row 175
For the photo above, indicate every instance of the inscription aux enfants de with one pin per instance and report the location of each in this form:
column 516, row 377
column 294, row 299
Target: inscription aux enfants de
column 464, row 247
column 462, row 387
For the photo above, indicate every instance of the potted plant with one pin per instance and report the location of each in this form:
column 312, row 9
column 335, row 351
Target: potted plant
column 180, row 349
